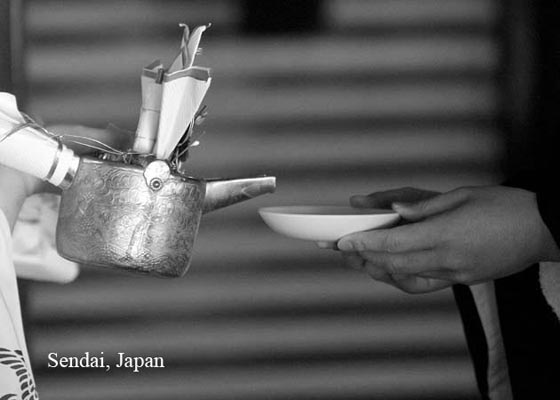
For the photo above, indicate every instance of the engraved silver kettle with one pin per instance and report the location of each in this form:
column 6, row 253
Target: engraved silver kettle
column 142, row 219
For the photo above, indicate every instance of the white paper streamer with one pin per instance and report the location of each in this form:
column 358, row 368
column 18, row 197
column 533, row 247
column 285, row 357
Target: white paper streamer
column 146, row 133
column 34, row 237
column 189, row 48
column 181, row 99
column 177, row 99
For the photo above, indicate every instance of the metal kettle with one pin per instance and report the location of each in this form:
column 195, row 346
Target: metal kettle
column 142, row 219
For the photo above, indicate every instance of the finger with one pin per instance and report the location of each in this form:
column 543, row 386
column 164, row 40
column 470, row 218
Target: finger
column 384, row 199
column 420, row 236
column 400, row 277
column 422, row 209
column 408, row 283
column 404, row 263
column 353, row 260
column 463, row 277
column 377, row 273
column 417, row 285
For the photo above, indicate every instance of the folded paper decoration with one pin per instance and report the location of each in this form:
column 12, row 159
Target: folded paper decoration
column 171, row 98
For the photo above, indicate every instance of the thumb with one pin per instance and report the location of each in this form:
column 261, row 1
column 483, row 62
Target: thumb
column 436, row 205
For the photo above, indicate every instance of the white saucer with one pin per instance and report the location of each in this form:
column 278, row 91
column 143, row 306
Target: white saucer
column 325, row 224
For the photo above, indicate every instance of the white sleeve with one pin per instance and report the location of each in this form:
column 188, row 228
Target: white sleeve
column 34, row 252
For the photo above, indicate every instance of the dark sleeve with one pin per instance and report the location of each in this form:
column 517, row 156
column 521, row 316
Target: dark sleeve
column 549, row 207
column 548, row 198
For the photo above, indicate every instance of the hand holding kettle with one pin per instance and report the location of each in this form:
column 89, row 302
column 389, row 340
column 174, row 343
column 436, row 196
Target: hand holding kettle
column 16, row 186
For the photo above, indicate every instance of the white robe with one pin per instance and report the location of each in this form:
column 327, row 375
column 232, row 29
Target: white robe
column 16, row 377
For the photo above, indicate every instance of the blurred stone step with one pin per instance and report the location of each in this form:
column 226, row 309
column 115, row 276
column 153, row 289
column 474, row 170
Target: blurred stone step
column 346, row 14
column 244, row 103
column 422, row 380
column 63, row 23
column 202, row 339
column 200, row 293
column 234, row 58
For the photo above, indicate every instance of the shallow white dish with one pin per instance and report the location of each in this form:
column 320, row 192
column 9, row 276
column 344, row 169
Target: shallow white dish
column 325, row 224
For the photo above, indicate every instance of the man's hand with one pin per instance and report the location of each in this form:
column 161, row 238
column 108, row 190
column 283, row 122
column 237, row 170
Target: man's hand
column 468, row 235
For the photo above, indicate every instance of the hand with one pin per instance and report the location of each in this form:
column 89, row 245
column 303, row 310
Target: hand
column 468, row 235
column 16, row 186
column 111, row 136
column 407, row 283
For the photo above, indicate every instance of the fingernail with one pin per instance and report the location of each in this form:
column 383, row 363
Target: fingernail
column 345, row 245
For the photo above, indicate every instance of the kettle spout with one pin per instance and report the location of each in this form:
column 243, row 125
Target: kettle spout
column 224, row 192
